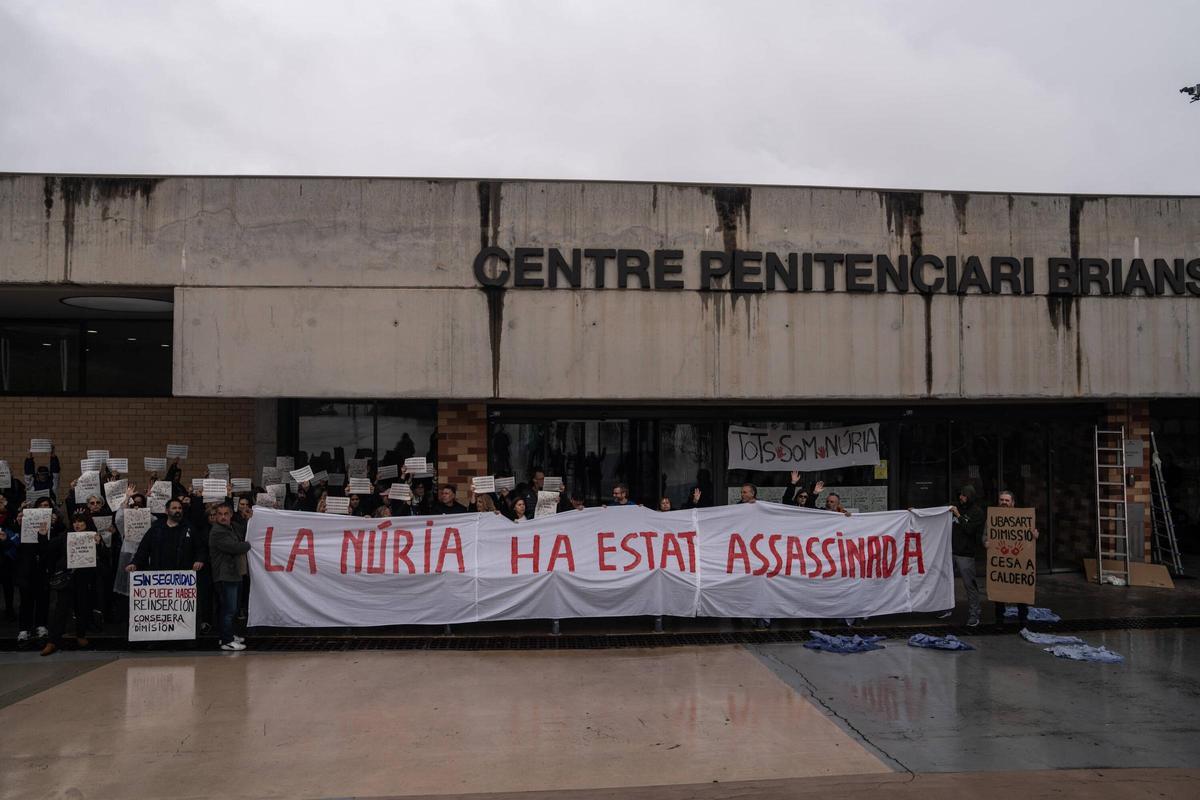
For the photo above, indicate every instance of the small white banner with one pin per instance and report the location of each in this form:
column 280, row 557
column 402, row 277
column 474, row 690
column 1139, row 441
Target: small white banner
column 359, row 486
column 784, row 450
column 40, row 446
column 337, row 505
column 484, row 484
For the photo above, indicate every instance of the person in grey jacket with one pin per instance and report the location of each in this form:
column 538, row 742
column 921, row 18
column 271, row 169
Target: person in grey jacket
column 227, row 554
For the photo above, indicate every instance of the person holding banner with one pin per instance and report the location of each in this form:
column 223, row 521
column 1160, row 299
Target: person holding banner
column 620, row 495
column 516, row 511
column 797, row 495
column 228, row 550
column 447, row 501
column 72, row 588
column 966, row 545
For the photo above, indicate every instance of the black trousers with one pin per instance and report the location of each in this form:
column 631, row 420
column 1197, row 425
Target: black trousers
column 75, row 598
column 35, row 603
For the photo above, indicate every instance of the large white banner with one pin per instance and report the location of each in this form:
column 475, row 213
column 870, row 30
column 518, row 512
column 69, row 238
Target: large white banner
column 754, row 560
column 784, row 450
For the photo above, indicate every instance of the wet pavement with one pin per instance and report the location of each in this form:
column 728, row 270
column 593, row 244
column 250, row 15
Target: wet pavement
column 764, row 720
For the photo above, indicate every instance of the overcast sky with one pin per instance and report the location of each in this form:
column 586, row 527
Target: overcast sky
column 1018, row 96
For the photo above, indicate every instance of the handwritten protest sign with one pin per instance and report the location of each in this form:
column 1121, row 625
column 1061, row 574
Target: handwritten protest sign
column 177, row 451
column 40, row 446
column 35, row 522
column 285, row 463
column 161, row 489
column 81, row 549
column 264, row 499
column 214, row 490
column 783, row 450
column 279, row 490
column 484, row 484
column 387, row 471
column 104, row 526
column 155, row 465
column 87, row 485
column 137, row 522
column 5, row 475
column 114, row 493
column 358, row 467
column 1011, row 555
column 162, row 605
column 271, row 475
column 547, row 504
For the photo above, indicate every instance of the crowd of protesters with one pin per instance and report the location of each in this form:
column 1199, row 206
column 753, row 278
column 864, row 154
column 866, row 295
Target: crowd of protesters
column 210, row 538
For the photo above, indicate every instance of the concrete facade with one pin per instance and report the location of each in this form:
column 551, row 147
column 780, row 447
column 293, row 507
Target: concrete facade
column 356, row 287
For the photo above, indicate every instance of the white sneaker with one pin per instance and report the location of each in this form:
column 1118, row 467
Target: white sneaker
column 42, row 632
column 239, row 640
column 945, row 614
column 235, row 645
column 23, row 636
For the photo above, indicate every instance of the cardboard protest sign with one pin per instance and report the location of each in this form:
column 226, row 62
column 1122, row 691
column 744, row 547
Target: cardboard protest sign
column 35, row 522
column 5, row 475
column 360, row 486
column 156, row 465
column 177, row 451
column 120, row 465
column 552, row 484
column 285, row 463
column 337, row 505
column 358, row 467
column 484, row 484
column 547, row 504
column 506, row 483
column 81, row 549
column 400, row 491
column 87, row 485
column 1011, row 555
column 162, row 605
column 137, row 522
column 301, row 475
column 40, row 446
column 240, row 485
column 387, row 471
column 114, row 493
column 415, row 465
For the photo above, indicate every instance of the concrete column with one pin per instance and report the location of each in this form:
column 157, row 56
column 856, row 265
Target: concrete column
column 462, row 444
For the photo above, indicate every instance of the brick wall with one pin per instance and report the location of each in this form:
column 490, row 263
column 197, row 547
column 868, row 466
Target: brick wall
column 216, row 431
column 1134, row 415
column 462, row 444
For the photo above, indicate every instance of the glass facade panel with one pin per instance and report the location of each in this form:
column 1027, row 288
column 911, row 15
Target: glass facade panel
column 127, row 358
column 329, row 433
column 40, row 358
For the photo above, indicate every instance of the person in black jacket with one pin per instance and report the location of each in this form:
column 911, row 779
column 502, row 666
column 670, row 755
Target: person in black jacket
column 42, row 478
column 796, row 493
column 169, row 544
column 966, row 545
column 447, row 502
column 76, row 595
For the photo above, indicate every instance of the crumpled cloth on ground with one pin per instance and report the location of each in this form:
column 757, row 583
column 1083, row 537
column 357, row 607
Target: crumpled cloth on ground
column 948, row 642
column 1085, row 652
column 1048, row 638
column 843, row 644
column 1035, row 614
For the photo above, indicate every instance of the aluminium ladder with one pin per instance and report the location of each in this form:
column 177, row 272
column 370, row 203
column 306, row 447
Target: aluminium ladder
column 1112, row 508
column 1166, row 548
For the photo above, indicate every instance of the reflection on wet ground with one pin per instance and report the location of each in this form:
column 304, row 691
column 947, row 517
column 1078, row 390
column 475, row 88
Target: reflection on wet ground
column 1008, row 705
column 766, row 720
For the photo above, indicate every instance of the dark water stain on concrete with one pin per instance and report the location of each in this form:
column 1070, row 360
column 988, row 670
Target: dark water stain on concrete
column 960, row 210
column 905, row 213
column 489, row 234
column 76, row 191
